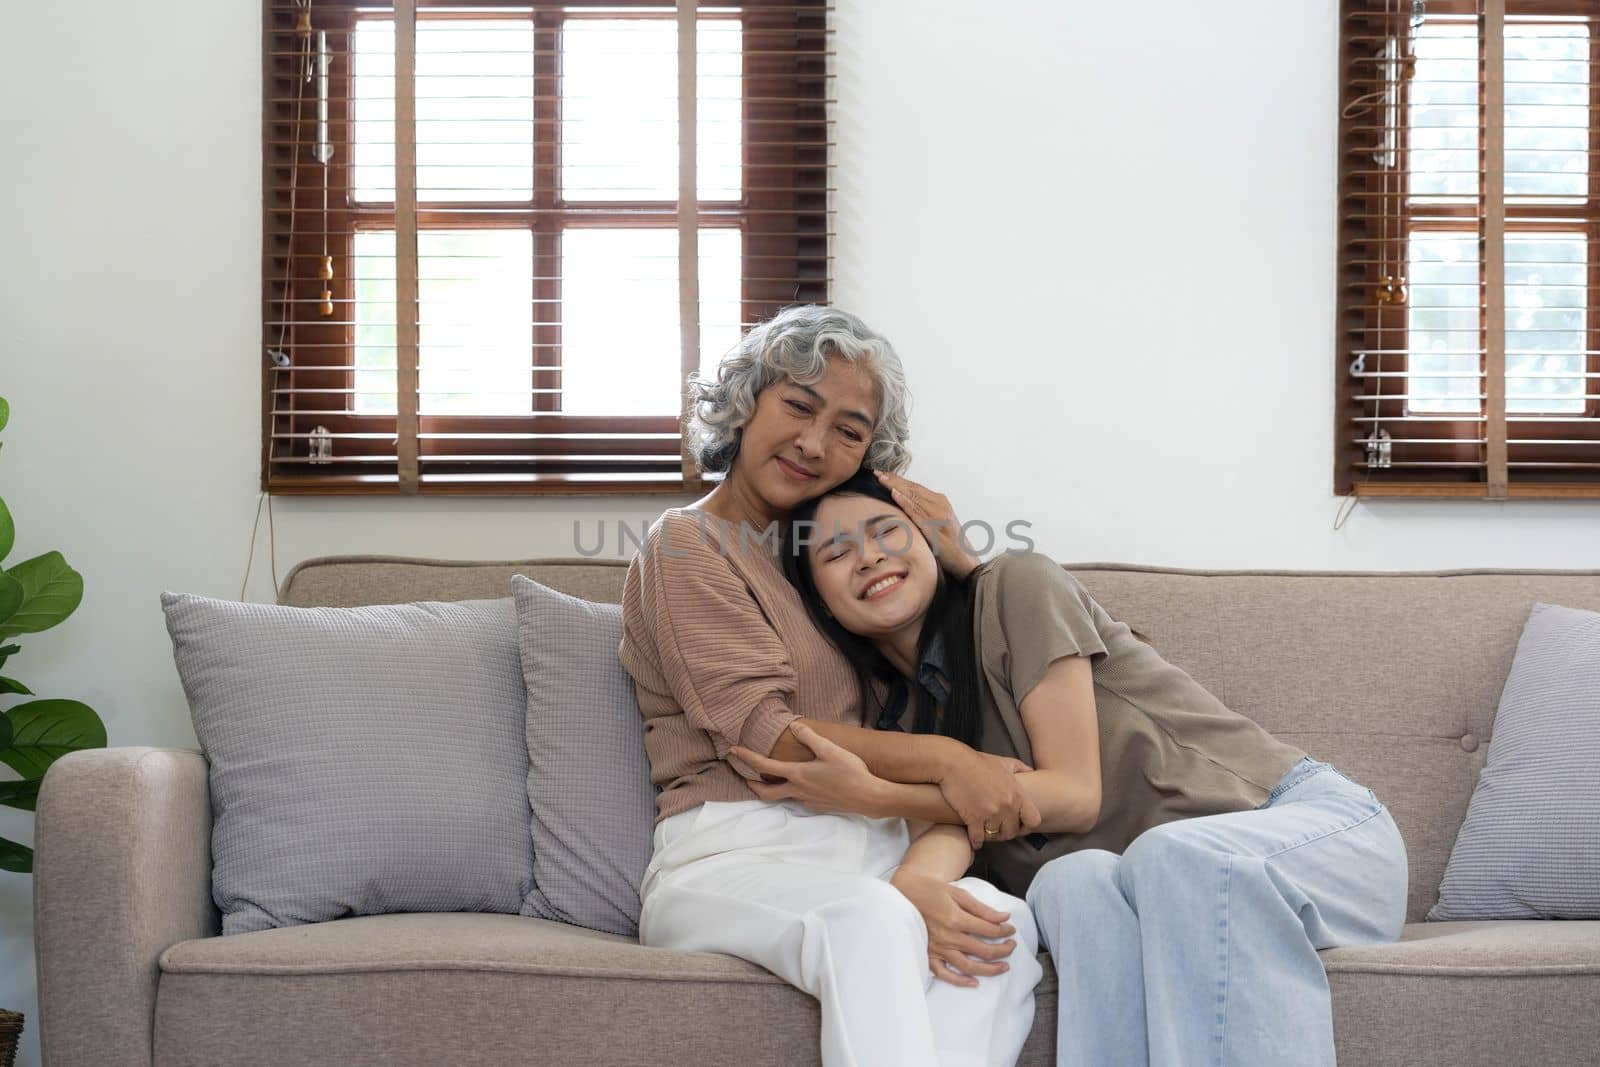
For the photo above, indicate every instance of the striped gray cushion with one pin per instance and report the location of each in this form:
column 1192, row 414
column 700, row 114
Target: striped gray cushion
column 1530, row 845
column 588, row 777
column 362, row 760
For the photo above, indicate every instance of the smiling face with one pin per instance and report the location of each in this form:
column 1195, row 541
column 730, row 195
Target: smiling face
column 872, row 568
column 805, row 439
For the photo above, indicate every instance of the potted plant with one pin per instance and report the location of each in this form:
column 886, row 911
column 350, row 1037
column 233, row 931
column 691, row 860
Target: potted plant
column 35, row 595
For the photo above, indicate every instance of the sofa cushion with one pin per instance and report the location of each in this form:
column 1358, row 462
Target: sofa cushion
column 589, row 782
column 362, row 760
column 1469, row 993
column 415, row 990
column 1477, row 949
column 489, row 989
column 1528, row 847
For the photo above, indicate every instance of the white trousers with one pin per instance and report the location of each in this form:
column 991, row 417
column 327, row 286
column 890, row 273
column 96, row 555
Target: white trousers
column 807, row 896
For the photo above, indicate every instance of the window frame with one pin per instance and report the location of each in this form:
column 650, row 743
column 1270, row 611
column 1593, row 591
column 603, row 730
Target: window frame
column 780, row 228
column 1415, row 216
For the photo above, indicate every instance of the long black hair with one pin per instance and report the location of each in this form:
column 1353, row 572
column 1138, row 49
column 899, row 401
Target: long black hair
column 949, row 613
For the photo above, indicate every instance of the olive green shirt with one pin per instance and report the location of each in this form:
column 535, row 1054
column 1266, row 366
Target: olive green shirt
column 1168, row 748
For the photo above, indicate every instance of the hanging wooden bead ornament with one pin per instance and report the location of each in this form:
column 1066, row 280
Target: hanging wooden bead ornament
column 326, row 274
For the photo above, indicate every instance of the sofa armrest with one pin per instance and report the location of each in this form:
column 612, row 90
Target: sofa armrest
column 122, row 870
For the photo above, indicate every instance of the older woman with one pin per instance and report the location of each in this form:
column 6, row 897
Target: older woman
column 723, row 653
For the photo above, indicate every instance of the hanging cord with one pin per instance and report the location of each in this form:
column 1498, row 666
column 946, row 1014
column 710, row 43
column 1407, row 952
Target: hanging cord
column 1363, row 104
column 322, row 152
column 1346, row 508
column 272, row 546
column 1391, row 295
column 1388, row 158
column 304, row 29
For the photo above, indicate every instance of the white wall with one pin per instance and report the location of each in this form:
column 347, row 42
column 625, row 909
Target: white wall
column 1026, row 187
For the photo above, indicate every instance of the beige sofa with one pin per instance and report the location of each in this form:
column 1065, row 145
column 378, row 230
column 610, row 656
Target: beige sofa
column 1392, row 677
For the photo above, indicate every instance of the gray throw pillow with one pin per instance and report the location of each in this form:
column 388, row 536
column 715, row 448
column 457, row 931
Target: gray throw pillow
column 1530, row 847
column 588, row 778
column 362, row 760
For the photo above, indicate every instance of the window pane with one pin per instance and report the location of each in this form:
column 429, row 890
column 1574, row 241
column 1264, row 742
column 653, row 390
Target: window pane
column 1443, row 116
column 1442, row 317
column 1547, row 112
column 619, row 331
column 476, row 293
column 1546, row 321
column 372, row 273
column 474, row 110
column 619, row 109
column 372, row 81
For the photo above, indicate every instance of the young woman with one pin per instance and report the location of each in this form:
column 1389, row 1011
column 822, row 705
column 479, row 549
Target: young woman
column 724, row 654
column 1187, row 866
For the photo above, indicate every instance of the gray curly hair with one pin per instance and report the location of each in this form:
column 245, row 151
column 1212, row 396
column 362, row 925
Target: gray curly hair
column 797, row 343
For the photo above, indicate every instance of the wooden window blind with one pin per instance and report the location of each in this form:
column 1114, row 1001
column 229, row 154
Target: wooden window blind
column 1468, row 348
column 477, row 221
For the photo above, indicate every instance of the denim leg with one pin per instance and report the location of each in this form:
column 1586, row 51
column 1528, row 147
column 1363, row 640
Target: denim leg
column 1086, row 921
column 1233, row 908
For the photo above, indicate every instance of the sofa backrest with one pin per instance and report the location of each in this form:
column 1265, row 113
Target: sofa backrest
column 345, row 581
column 1393, row 677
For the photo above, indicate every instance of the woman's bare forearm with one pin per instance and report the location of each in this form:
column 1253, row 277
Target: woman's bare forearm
column 907, row 801
column 910, row 766
column 1063, row 806
column 941, row 853
column 890, row 754
column 1066, row 806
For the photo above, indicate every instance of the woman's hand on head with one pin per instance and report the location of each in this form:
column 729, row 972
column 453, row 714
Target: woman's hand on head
column 835, row 780
column 936, row 517
column 958, row 923
column 982, row 789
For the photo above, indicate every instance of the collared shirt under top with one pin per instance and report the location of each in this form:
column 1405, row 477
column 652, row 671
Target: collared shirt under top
column 932, row 675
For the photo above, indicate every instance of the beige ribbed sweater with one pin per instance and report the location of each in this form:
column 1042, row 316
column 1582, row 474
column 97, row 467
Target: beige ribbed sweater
column 722, row 652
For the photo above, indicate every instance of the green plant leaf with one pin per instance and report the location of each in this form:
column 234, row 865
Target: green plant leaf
column 23, row 794
column 5, row 733
column 11, row 685
column 51, row 591
column 45, row 730
column 8, row 531
column 12, row 594
column 6, row 651
column 5, row 412
column 15, row 857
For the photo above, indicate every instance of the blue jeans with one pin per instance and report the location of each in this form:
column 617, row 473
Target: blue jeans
column 1198, row 945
